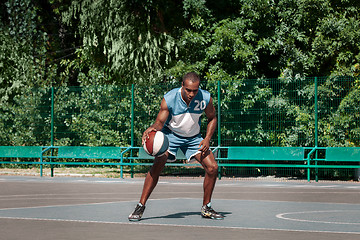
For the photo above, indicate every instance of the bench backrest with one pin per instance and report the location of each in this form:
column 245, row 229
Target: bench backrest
column 20, row 151
column 143, row 155
column 266, row 153
column 89, row 152
column 343, row 154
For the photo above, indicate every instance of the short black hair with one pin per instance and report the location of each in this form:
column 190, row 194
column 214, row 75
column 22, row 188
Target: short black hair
column 192, row 76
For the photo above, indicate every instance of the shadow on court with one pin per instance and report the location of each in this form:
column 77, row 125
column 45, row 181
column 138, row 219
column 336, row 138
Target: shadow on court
column 182, row 215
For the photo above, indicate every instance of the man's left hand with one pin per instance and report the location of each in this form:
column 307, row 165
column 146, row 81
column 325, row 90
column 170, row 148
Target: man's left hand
column 204, row 146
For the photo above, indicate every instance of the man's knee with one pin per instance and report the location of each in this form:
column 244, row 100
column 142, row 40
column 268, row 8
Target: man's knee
column 159, row 164
column 209, row 163
column 212, row 168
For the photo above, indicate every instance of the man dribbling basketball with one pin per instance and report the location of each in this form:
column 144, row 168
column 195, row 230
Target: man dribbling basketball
column 179, row 118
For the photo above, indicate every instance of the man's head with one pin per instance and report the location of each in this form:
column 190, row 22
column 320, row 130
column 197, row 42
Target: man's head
column 192, row 76
column 190, row 86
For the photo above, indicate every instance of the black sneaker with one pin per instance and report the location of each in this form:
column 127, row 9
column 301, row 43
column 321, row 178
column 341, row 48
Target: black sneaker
column 208, row 212
column 137, row 213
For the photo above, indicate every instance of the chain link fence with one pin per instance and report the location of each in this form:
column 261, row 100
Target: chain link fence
column 305, row 112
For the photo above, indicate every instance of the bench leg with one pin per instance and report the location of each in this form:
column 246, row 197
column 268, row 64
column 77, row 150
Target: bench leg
column 219, row 172
column 132, row 171
column 357, row 174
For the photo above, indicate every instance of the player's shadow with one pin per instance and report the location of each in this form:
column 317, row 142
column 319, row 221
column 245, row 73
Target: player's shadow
column 182, row 215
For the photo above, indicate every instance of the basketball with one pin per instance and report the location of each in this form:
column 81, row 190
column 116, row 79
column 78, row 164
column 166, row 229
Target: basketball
column 156, row 144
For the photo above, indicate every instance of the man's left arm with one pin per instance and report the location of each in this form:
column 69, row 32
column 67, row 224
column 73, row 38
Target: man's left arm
column 211, row 126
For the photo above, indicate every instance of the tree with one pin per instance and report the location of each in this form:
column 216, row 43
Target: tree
column 130, row 37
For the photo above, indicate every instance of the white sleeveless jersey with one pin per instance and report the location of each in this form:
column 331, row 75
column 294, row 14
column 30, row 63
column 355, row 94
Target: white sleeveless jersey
column 185, row 120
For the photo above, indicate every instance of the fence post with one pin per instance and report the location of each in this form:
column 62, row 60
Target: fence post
column 316, row 112
column 316, row 127
column 132, row 132
column 132, row 124
column 132, row 115
column 52, row 116
column 219, row 124
column 316, row 131
column 219, row 113
column 52, row 129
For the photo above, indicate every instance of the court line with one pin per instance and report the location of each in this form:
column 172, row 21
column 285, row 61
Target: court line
column 64, row 198
column 157, row 199
column 175, row 192
column 62, row 194
column 84, row 204
column 281, row 216
column 178, row 225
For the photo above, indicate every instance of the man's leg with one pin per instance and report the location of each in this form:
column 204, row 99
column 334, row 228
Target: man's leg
column 150, row 183
column 211, row 170
column 152, row 177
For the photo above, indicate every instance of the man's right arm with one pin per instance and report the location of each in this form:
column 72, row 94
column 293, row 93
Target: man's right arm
column 159, row 121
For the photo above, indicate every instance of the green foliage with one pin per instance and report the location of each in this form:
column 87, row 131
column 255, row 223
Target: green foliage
column 19, row 42
column 273, row 39
column 92, row 116
column 344, row 129
column 124, row 36
column 263, row 112
column 263, row 52
column 26, row 120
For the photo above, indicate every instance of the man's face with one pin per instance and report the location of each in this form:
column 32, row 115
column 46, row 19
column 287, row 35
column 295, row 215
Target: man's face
column 189, row 90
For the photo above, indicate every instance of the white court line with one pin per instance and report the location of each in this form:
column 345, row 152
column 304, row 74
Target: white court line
column 171, row 192
column 84, row 204
column 122, row 199
column 281, row 216
column 62, row 205
column 64, row 194
column 61, row 198
column 178, row 225
column 239, row 183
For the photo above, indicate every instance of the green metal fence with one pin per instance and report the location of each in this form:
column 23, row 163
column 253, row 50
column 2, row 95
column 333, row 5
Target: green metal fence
column 305, row 112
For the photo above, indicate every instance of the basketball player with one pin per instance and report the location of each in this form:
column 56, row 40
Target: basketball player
column 179, row 119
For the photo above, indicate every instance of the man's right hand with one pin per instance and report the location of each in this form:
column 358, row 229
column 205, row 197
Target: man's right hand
column 159, row 122
column 146, row 134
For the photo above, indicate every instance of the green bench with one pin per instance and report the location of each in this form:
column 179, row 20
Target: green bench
column 261, row 154
column 20, row 152
column 290, row 157
column 266, row 153
column 338, row 157
column 285, row 157
column 14, row 153
column 53, row 153
column 270, row 157
column 130, row 156
column 258, row 156
column 135, row 156
column 52, row 156
column 348, row 154
column 23, row 153
column 85, row 152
